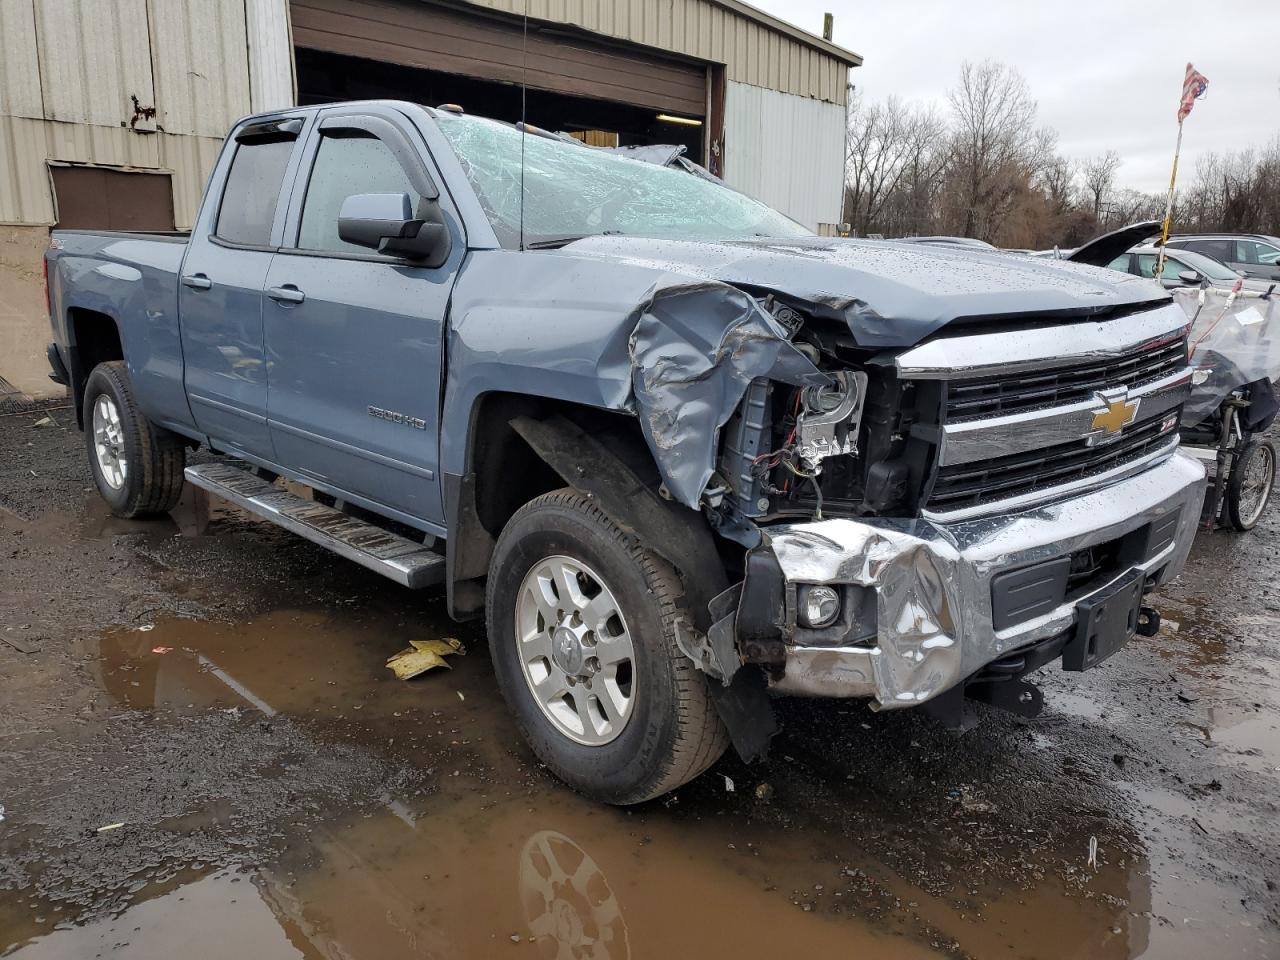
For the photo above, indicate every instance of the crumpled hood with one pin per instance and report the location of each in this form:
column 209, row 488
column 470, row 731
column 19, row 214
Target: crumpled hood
column 890, row 294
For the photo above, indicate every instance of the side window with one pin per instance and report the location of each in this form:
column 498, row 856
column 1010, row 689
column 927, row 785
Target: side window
column 1147, row 265
column 252, row 190
column 1254, row 252
column 1120, row 263
column 1218, row 249
column 347, row 165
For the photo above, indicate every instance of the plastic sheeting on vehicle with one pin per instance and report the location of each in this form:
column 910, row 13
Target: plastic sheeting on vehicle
column 1235, row 340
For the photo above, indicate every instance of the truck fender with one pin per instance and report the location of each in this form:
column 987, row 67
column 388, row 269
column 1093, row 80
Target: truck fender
column 674, row 532
column 682, row 538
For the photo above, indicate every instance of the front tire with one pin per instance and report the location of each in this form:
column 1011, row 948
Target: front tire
column 581, row 622
column 136, row 465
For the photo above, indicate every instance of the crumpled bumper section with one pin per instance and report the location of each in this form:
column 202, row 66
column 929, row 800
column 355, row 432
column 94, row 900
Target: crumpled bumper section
column 933, row 582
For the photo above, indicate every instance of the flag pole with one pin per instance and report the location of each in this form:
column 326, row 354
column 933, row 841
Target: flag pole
column 1168, row 205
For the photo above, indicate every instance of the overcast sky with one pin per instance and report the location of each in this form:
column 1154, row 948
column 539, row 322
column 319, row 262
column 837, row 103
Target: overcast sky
column 1107, row 74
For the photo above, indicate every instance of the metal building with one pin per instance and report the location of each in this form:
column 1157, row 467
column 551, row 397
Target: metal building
column 112, row 111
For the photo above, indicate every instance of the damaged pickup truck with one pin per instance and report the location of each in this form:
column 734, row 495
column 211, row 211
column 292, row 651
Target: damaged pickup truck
column 681, row 453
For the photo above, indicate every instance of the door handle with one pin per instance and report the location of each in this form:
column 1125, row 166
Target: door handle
column 197, row 281
column 286, row 294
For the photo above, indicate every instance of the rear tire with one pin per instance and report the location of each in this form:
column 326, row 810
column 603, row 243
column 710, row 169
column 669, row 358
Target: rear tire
column 137, row 466
column 663, row 730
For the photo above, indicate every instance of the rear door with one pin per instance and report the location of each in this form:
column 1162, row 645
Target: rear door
column 1256, row 258
column 220, row 287
column 354, row 339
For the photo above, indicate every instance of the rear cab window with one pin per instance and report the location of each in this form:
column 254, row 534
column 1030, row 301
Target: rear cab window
column 251, row 193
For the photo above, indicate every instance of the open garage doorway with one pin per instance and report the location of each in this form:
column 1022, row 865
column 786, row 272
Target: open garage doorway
column 605, row 93
column 327, row 77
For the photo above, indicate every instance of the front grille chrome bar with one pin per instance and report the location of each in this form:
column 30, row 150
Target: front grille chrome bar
column 1080, row 485
column 1056, row 344
column 970, row 441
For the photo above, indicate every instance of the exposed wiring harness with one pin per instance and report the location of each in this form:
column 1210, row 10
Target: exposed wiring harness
column 766, row 463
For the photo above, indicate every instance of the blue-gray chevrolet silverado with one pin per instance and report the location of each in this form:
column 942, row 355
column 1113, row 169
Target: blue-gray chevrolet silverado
column 681, row 453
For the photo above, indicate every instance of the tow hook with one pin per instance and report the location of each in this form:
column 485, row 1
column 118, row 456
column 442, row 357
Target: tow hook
column 1015, row 695
column 1148, row 622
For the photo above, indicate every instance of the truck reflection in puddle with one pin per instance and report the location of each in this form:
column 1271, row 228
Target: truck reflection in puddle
column 568, row 904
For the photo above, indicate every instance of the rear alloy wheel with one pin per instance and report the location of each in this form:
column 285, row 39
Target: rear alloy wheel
column 108, row 442
column 581, row 622
column 137, row 466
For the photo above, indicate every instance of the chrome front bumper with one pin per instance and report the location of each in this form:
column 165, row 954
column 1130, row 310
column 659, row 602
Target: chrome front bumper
column 933, row 582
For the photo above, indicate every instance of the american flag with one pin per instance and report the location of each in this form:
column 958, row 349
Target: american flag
column 1193, row 88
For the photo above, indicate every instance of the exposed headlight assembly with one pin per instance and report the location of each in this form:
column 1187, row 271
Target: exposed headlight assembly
column 827, row 425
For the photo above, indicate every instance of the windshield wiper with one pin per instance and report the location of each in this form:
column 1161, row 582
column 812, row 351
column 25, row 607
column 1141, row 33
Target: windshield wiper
column 556, row 242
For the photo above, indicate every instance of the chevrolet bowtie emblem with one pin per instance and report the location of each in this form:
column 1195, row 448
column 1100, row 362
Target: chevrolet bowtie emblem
column 1120, row 412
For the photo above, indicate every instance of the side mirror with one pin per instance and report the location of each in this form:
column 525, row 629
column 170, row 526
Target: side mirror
column 385, row 222
column 1190, row 277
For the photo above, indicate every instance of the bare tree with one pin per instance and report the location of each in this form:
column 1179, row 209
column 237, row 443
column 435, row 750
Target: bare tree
column 995, row 145
column 986, row 170
column 1099, row 174
column 884, row 142
column 1236, row 192
column 1058, row 180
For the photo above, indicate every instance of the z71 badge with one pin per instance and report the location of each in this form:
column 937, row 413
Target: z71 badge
column 391, row 415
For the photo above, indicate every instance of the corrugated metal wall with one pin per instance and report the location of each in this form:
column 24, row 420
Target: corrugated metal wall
column 70, row 71
column 752, row 52
column 786, row 151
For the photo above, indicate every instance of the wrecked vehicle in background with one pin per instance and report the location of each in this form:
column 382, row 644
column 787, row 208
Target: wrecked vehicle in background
column 681, row 453
column 665, row 155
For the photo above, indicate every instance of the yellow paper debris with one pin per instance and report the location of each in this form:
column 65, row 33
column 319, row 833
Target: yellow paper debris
column 424, row 655
column 110, row 826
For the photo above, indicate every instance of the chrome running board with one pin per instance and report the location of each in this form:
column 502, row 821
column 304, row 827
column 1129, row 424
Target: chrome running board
column 399, row 558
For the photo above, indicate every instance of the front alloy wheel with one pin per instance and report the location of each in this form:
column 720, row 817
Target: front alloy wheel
column 582, row 622
column 575, row 650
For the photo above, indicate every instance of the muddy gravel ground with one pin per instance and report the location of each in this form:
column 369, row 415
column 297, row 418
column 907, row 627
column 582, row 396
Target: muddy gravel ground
column 203, row 754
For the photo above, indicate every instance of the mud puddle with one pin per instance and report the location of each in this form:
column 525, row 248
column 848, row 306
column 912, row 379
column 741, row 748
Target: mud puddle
column 482, row 852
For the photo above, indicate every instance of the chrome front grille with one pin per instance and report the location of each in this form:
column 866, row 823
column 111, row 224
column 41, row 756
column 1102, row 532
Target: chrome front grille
column 1011, row 393
column 967, row 485
column 1030, row 415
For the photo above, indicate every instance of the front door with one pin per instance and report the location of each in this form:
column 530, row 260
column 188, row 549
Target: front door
column 354, row 339
column 220, row 288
